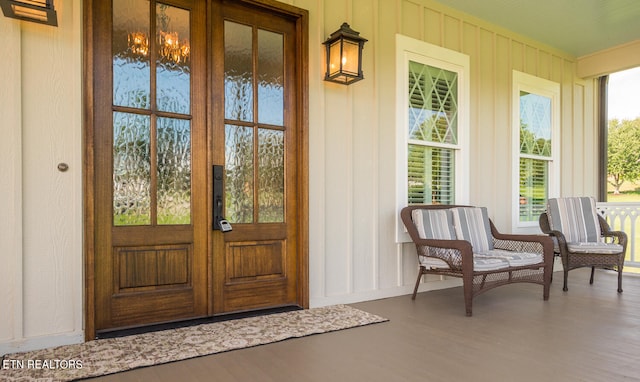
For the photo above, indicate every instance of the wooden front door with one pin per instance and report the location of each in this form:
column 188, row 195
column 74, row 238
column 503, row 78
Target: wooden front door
column 196, row 115
column 255, row 140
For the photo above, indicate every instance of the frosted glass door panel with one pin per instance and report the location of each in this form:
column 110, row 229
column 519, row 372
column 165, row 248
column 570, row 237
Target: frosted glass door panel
column 151, row 120
column 270, row 78
column 239, row 166
column 270, row 176
column 131, row 169
column 174, row 171
column 173, row 78
column 131, row 70
column 238, row 72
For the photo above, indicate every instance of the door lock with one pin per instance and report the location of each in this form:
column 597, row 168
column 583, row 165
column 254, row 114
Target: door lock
column 224, row 225
column 219, row 222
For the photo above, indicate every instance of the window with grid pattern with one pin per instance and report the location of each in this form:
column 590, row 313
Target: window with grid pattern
column 536, row 109
column 433, row 134
column 432, row 119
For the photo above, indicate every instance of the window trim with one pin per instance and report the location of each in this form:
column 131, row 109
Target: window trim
column 536, row 85
column 407, row 49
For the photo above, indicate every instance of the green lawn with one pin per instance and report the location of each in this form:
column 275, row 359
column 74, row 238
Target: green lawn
column 629, row 192
column 627, row 196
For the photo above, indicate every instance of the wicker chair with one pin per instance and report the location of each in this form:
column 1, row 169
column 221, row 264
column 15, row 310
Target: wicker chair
column 484, row 259
column 582, row 237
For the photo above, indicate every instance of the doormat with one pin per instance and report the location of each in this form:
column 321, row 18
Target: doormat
column 113, row 355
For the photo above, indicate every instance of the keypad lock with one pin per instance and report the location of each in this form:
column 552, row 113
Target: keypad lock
column 224, row 225
column 219, row 222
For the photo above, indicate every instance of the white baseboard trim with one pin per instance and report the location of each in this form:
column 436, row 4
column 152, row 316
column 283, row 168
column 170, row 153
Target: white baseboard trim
column 316, row 302
column 351, row 298
column 41, row 342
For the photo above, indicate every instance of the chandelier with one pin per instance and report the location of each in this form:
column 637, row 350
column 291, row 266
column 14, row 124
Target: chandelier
column 169, row 46
column 138, row 44
column 172, row 49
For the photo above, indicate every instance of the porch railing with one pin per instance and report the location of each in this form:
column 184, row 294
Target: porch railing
column 625, row 217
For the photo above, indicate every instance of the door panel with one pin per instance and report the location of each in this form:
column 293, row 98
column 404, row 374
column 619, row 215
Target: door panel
column 251, row 261
column 150, row 139
column 256, row 264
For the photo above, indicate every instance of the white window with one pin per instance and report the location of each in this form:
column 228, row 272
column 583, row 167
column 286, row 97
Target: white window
column 432, row 115
column 536, row 128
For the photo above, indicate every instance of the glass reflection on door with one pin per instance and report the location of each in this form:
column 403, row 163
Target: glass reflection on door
column 254, row 139
column 151, row 119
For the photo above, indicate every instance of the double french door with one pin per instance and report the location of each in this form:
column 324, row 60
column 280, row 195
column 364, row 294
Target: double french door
column 194, row 116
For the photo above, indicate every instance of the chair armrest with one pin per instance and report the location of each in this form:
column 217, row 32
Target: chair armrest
column 562, row 241
column 607, row 232
column 546, row 229
column 460, row 245
column 619, row 235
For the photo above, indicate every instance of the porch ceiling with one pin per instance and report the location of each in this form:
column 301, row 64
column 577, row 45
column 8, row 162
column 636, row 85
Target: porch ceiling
column 578, row 27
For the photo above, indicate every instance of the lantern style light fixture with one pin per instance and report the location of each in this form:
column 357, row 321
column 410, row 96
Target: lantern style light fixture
column 344, row 56
column 37, row 11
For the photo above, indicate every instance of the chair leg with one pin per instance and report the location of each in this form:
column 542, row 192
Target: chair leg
column 553, row 264
column 415, row 290
column 619, row 279
column 548, row 273
column 593, row 269
column 566, row 275
column 468, row 297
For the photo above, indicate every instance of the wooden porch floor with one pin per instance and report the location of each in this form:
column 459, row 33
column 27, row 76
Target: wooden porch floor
column 590, row 333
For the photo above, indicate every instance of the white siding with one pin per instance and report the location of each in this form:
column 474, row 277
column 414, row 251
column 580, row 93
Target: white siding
column 11, row 185
column 353, row 254
column 41, row 278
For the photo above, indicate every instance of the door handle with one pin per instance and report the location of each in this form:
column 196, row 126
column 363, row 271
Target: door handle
column 219, row 222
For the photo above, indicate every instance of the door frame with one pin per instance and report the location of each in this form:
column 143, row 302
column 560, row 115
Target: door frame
column 90, row 9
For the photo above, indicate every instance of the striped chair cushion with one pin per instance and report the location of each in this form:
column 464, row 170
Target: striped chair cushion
column 472, row 224
column 575, row 217
column 515, row 259
column 481, row 262
column 488, row 263
column 434, row 224
column 602, row 248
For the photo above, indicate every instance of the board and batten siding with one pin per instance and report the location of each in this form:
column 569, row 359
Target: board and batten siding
column 353, row 255
column 41, row 274
column 10, row 186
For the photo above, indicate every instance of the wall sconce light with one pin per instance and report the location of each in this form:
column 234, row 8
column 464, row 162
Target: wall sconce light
column 37, row 11
column 344, row 56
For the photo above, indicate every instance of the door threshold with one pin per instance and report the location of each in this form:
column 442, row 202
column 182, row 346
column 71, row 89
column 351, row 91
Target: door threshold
column 193, row 322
